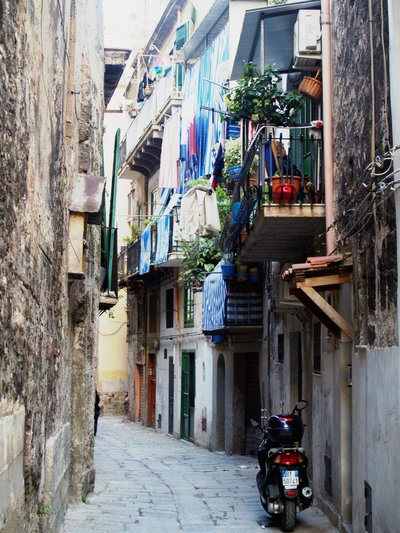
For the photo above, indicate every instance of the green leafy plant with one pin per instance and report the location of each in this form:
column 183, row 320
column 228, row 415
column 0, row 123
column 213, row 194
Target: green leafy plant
column 257, row 96
column 43, row 509
column 200, row 256
column 129, row 239
column 233, row 155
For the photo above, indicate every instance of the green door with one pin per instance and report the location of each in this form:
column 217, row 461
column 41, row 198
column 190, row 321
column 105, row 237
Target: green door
column 188, row 396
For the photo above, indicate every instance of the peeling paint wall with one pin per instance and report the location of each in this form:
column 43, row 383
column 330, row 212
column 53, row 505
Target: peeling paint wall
column 47, row 134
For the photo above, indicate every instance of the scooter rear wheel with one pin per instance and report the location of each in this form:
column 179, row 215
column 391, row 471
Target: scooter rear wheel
column 289, row 515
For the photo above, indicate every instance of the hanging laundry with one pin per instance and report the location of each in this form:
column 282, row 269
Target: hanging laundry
column 199, row 213
column 140, row 94
column 170, row 152
column 219, row 164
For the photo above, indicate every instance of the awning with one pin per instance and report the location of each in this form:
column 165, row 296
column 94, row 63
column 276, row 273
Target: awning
column 307, row 280
column 87, row 193
column 278, row 39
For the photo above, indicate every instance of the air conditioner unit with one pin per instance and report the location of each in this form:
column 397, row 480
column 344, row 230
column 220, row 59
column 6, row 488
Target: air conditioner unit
column 307, row 39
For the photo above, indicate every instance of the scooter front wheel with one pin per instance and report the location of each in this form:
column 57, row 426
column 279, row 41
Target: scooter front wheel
column 289, row 515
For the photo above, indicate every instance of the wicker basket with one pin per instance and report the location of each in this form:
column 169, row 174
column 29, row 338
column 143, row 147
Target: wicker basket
column 311, row 87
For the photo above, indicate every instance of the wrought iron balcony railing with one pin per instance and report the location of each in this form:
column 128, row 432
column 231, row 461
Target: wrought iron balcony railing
column 290, row 178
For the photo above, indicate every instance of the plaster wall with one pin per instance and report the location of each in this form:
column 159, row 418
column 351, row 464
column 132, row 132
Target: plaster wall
column 12, row 491
column 375, row 422
column 112, row 372
column 176, row 340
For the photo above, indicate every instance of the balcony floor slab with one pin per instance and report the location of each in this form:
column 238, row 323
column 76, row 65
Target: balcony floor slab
column 284, row 232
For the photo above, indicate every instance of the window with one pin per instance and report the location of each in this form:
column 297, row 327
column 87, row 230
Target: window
column 181, row 36
column 131, row 204
column 368, row 507
column 169, row 308
column 188, row 317
column 328, row 475
column 140, row 217
column 153, row 202
column 281, row 347
column 139, row 317
column 153, row 313
column 317, row 348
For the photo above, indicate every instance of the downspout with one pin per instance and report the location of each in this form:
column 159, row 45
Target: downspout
column 113, row 200
column 328, row 128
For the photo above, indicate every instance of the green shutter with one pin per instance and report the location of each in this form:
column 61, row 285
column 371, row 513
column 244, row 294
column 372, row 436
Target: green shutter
column 181, row 36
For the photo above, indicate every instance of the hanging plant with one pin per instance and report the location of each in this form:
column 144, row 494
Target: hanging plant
column 200, row 255
column 258, row 97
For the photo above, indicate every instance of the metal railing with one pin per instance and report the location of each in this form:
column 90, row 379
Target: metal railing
column 290, row 171
column 133, row 255
column 164, row 90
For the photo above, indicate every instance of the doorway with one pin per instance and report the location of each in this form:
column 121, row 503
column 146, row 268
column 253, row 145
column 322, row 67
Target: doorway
column 188, row 395
column 246, row 402
column 151, row 392
column 171, row 371
column 138, row 393
column 220, row 429
column 296, row 370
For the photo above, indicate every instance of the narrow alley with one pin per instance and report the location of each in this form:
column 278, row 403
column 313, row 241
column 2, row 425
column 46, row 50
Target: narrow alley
column 147, row 481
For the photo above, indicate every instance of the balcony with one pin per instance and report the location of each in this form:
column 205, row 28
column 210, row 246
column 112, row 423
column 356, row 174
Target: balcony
column 282, row 216
column 128, row 262
column 231, row 307
column 141, row 149
column 158, row 246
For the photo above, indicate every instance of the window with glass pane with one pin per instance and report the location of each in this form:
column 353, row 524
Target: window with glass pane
column 169, row 308
column 317, row 348
column 140, row 217
column 131, row 203
column 153, row 202
column 188, row 319
column 281, row 348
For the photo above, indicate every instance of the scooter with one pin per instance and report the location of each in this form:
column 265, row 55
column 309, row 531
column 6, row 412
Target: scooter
column 282, row 480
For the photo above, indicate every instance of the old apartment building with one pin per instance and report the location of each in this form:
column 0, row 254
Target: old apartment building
column 311, row 310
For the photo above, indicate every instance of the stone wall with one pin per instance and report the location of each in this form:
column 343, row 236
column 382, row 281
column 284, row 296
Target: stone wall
column 366, row 221
column 38, row 161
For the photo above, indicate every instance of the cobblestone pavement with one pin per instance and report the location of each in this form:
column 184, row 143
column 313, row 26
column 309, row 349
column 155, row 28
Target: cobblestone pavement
column 149, row 482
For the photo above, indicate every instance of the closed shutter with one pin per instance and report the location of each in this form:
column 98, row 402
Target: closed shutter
column 181, row 36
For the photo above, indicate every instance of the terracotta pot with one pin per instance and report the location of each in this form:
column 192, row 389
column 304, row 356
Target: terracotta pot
column 287, row 190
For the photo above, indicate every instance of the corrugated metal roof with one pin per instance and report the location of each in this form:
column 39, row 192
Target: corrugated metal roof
column 87, row 193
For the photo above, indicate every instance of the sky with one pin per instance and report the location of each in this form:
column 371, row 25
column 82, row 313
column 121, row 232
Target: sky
column 128, row 22
column 118, row 23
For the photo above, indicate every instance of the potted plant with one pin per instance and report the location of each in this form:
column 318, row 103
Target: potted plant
column 258, row 97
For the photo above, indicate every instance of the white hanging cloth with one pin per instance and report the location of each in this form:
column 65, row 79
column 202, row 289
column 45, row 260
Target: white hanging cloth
column 170, row 152
column 199, row 213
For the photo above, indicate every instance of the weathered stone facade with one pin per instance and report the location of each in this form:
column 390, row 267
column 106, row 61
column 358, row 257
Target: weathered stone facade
column 51, row 75
column 367, row 225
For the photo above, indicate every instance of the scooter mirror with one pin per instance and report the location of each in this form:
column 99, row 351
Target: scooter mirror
column 302, row 404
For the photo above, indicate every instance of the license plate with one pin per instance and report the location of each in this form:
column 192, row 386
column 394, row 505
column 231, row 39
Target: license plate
column 290, row 479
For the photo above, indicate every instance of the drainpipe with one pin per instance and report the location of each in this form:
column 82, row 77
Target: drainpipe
column 327, row 118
